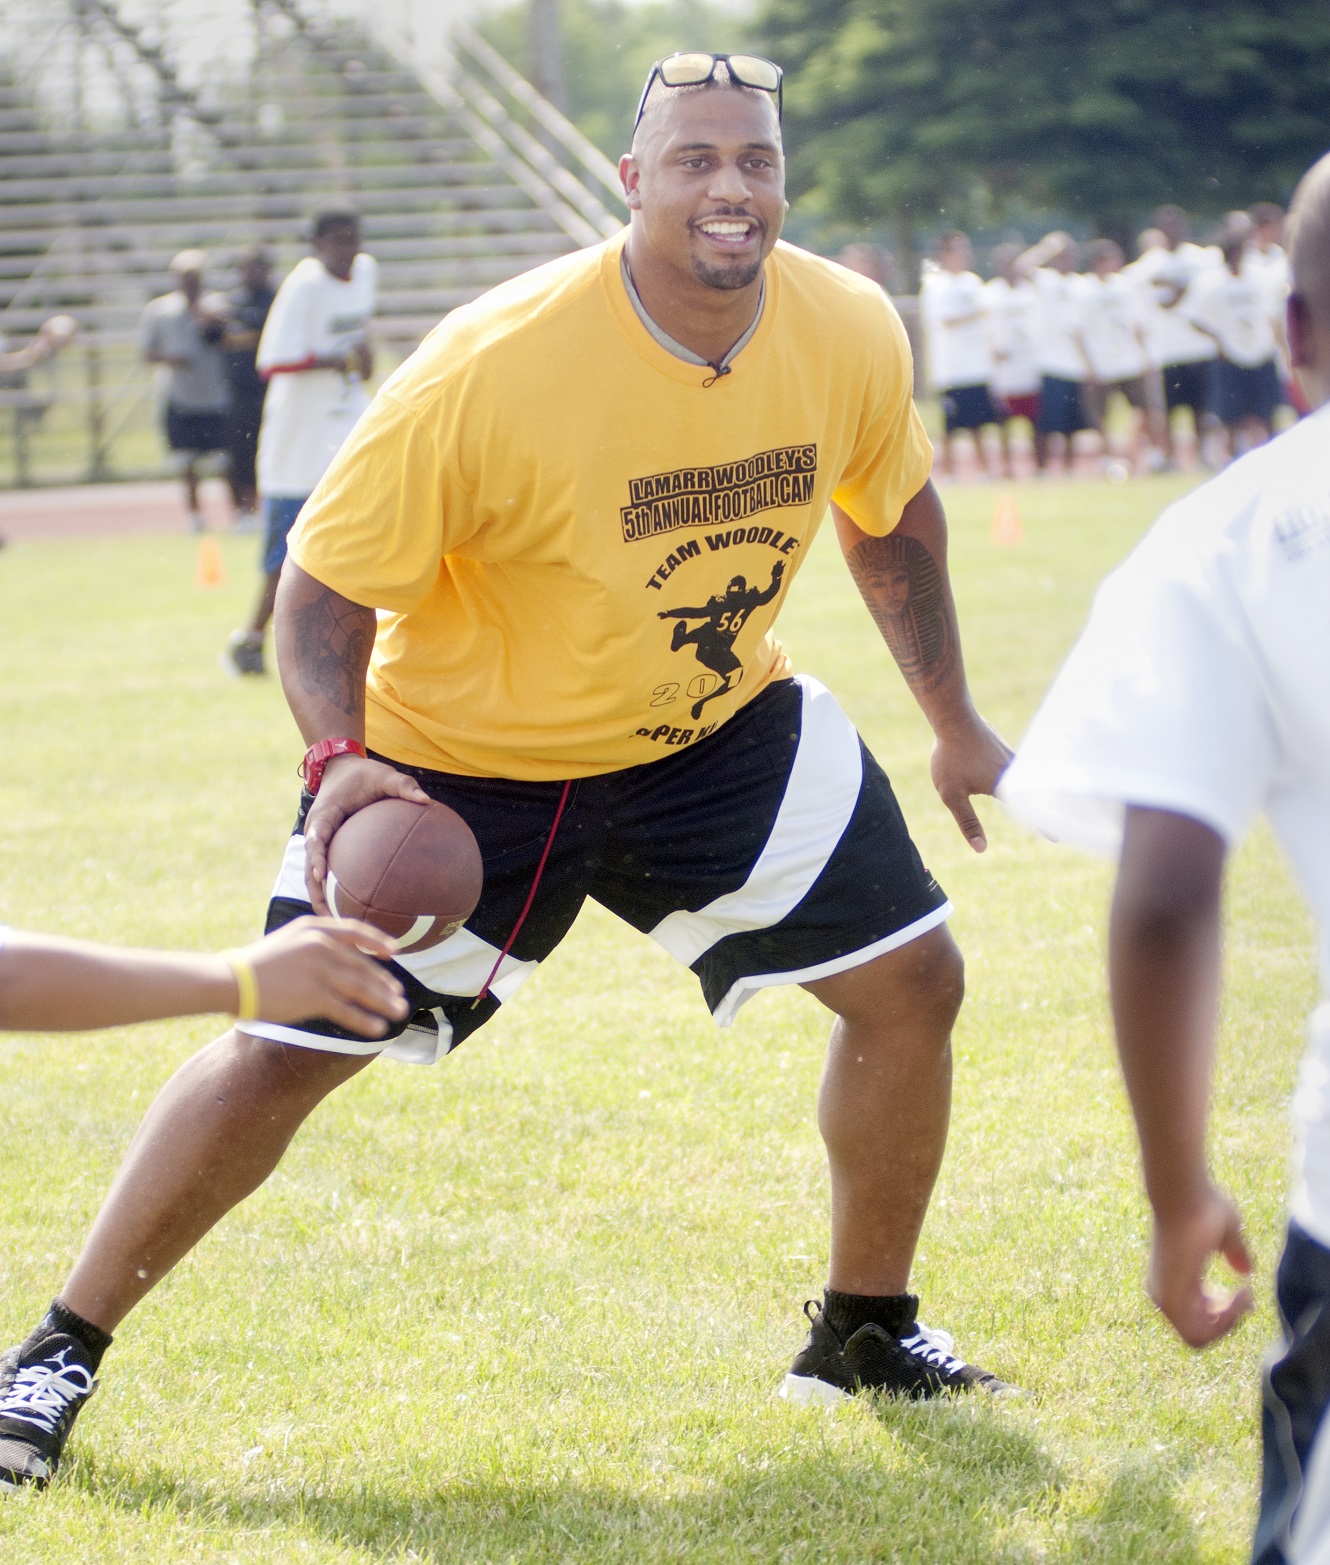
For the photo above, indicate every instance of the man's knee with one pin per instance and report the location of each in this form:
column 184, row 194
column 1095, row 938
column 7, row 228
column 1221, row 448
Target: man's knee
column 922, row 981
column 942, row 964
column 930, row 978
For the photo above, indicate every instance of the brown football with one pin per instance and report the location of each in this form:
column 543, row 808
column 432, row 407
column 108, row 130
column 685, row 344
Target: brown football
column 411, row 870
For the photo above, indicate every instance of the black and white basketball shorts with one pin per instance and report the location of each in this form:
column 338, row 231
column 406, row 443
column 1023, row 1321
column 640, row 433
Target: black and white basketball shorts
column 771, row 852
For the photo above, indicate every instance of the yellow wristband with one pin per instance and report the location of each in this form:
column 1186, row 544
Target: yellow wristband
column 247, row 985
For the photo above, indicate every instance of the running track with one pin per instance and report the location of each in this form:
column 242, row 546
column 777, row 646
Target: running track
column 107, row 511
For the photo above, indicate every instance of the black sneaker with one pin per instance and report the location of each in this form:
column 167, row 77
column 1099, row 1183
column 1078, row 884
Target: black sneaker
column 244, row 654
column 920, row 1362
column 43, row 1385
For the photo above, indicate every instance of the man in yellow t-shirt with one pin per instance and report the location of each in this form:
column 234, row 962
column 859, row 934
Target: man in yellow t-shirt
column 539, row 583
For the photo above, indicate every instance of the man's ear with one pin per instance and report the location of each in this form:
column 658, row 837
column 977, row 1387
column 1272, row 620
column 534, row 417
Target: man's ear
column 631, row 177
column 1301, row 334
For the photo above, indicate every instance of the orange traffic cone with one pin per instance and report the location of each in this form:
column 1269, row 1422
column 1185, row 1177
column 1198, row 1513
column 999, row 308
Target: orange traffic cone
column 1007, row 529
column 211, row 568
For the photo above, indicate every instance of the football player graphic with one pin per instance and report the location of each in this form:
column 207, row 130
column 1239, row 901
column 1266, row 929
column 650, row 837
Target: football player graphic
column 722, row 619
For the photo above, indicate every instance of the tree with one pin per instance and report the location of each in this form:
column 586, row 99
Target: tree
column 1101, row 108
column 608, row 48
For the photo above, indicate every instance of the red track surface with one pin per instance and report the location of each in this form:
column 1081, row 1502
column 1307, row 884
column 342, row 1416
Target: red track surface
column 107, row 511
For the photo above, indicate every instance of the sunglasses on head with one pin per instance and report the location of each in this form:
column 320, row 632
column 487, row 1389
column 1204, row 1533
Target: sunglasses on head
column 695, row 69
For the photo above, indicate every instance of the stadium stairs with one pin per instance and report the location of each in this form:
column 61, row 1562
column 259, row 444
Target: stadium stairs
column 464, row 175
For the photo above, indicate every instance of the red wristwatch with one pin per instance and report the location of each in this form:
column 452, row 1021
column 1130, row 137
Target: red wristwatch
column 318, row 756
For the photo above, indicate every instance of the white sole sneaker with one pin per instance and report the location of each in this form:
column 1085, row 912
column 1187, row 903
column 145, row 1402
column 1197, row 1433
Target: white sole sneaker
column 808, row 1391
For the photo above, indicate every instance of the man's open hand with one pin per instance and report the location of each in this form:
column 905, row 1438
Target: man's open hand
column 350, row 782
column 1181, row 1250
column 314, row 967
column 968, row 758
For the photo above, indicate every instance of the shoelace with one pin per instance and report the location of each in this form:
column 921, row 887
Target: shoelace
column 41, row 1392
column 934, row 1346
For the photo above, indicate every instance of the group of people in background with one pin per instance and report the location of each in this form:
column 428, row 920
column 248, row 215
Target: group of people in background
column 1058, row 329
column 263, row 386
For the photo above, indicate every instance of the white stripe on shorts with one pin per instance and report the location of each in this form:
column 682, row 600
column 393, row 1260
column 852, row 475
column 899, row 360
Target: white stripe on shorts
column 820, row 796
column 745, row 988
column 459, row 965
column 1309, row 1539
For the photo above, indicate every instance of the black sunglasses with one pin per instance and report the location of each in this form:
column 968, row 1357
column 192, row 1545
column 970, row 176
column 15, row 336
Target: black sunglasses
column 693, row 70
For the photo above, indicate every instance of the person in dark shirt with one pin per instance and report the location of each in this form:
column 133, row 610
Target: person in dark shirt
column 247, row 310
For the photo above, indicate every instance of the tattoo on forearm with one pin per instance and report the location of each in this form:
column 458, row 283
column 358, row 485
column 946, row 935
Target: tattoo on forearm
column 333, row 640
column 903, row 589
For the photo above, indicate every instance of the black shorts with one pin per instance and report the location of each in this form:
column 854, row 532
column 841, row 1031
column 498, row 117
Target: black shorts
column 771, row 852
column 1295, row 1477
column 243, row 438
column 190, row 431
column 1061, row 407
column 1238, row 392
column 968, row 407
column 1188, row 386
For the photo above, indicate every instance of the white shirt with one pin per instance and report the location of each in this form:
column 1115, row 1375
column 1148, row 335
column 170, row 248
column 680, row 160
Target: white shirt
column 951, row 305
column 1014, row 318
column 307, row 415
column 1274, row 264
column 1239, row 310
column 1112, row 321
column 1060, row 295
column 1199, row 686
column 1172, row 337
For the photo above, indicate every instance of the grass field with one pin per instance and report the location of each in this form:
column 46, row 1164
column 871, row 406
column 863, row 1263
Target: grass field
column 534, row 1304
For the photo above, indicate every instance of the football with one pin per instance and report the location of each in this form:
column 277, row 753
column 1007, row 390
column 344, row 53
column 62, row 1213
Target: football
column 412, row 870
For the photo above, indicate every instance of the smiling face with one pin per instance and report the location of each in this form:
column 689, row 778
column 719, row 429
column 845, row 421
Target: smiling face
column 706, row 183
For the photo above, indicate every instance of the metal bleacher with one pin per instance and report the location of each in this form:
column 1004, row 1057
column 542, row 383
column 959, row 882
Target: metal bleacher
column 463, row 174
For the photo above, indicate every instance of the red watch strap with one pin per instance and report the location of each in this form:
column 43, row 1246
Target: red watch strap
column 318, row 755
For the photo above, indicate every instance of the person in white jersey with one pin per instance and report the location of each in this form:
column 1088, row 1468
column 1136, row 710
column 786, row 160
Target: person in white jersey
column 1194, row 699
column 1266, row 253
column 1113, row 340
column 1013, row 330
column 960, row 360
column 315, row 355
column 1266, row 249
column 1063, row 370
column 1237, row 306
column 1182, row 353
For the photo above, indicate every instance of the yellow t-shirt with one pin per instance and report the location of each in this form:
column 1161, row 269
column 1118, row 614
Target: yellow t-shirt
column 578, row 547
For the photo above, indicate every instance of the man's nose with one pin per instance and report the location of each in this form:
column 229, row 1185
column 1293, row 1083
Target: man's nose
column 729, row 183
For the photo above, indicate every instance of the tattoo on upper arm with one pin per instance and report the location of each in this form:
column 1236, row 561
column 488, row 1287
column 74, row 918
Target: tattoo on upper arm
column 903, row 588
column 333, row 641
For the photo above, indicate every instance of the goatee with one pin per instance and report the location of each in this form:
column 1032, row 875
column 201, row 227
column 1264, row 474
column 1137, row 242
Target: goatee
column 730, row 277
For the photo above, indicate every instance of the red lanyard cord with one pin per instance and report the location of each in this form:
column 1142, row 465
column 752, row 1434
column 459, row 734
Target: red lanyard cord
column 530, row 896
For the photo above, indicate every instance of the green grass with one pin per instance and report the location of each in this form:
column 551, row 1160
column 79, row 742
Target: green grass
column 534, row 1304
column 60, row 439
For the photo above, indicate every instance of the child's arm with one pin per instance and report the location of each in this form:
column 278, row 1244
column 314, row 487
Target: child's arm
column 311, row 967
column 1164, row 973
